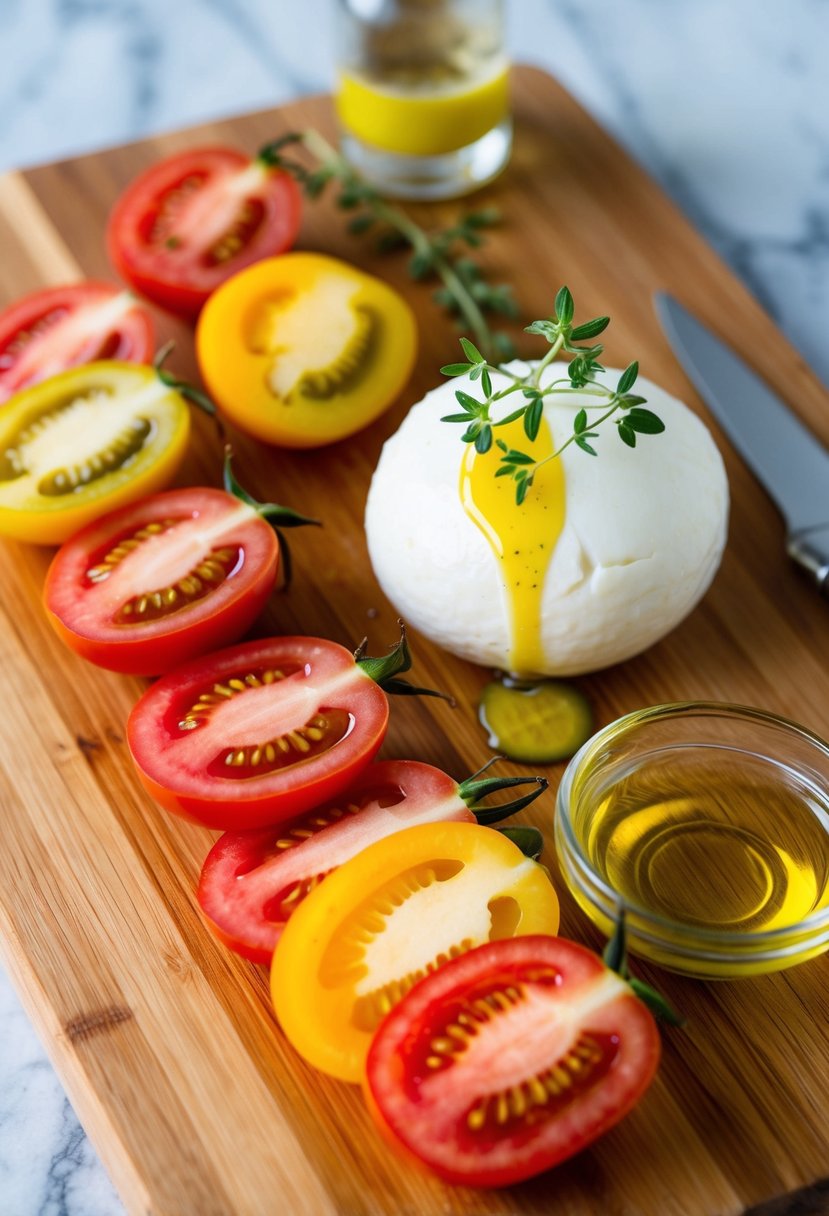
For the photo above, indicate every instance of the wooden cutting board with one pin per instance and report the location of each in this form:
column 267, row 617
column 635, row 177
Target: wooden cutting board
column 165, row 1041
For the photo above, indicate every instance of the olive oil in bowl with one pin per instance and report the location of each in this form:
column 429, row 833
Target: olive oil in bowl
column 711, row 825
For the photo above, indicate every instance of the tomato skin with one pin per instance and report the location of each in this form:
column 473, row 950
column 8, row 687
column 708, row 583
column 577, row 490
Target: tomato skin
column 127, row 393
column 427, row 1112
column 399, row 908
column 176, row 270
column 181, row 768
column 41, row 334
column 75, row 605
column 245, row 872
column 242, row 350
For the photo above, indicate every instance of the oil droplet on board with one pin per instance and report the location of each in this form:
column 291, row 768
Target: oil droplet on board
column 535, row 723
column 522, row 538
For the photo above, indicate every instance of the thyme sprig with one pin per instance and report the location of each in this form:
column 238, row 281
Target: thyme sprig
column 464, row 291
column 565, row 337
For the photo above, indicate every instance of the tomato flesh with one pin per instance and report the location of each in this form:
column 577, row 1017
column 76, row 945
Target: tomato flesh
column 510, row 1059
column 62, row 327
column 253, row 882
column 83, row 443
column 162, row 581
column 305, row 349
column 396, row 911
column 257, row 733
column 191, row 221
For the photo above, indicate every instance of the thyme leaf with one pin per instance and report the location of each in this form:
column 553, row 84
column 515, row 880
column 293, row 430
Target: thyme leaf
column 620, row 405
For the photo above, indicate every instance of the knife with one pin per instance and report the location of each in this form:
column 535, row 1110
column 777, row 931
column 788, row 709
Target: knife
column 786, row 457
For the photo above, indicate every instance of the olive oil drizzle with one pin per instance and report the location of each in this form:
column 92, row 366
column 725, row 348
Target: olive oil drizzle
column 522, row 536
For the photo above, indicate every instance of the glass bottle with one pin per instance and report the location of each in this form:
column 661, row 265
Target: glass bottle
column 422, row 94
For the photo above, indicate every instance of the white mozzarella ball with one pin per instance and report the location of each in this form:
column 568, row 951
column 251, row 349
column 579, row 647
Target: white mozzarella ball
column 643, row 534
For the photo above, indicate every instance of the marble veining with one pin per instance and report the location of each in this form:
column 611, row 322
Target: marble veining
column 724, row 103
column 47, row 1165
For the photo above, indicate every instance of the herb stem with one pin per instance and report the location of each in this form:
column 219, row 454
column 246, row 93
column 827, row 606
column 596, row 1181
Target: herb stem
column 615, row 403
column 421, row 244
column 572, row 438
column 429, row 250
column 466, row 304
column 535, row 378
column 561, row 333
column 591, row 389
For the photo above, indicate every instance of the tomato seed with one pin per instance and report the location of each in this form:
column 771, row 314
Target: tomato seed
column 317, row 735
column 239, row 234
column 537, row 1091
column 125, row 445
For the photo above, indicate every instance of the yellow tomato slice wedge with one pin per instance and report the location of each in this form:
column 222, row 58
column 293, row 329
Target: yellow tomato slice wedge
column 302, row 350
column 388, row 917
column 83, row 443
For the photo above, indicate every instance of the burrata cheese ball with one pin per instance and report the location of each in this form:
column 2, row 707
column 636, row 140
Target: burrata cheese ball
column 641, row 536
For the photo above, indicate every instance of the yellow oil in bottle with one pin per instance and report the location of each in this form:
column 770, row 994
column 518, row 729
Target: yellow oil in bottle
column 716, row 847
column 422, row 78
column 428, row 113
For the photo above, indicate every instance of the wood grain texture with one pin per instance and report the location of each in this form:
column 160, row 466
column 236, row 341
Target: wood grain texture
column 166, row 1042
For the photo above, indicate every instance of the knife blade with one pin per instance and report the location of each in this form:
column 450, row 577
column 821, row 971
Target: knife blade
column 783, row 453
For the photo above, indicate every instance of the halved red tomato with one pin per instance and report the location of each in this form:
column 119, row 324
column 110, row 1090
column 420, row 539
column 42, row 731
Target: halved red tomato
column 509, row 1059
column 163, row 580
column 191, row 221
column 62, row 327
column 252, row 882
column 260, row 732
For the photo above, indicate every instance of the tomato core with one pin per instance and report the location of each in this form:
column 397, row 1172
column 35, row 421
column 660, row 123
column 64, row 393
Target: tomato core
column 496, row 1008
column 280, row 906
column 321, row 731
column 62, row 327
column 191, row 221
column 35, row 446
column 153, row 602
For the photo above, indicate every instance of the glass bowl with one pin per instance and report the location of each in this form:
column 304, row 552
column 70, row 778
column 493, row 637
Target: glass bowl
column 710, row 824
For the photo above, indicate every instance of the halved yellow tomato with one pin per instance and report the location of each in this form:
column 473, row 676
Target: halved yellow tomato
column 303, row 349
column 386, row 918
column 83, row 443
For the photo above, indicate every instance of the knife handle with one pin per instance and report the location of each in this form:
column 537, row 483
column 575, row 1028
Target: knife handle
column 810, row 549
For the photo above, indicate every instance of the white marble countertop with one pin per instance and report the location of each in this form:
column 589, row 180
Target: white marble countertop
column 724, row 101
